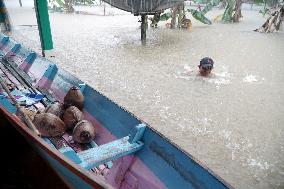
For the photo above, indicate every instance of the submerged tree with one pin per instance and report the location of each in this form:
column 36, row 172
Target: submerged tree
column 274, row 22
column 238, row 11
column 177, row 16
column 69, row 6
column 232, row 12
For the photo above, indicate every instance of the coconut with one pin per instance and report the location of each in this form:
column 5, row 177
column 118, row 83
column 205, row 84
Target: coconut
column 56, row 109
column 74, row 97
column 49, row 125
column 84, row 132
column 72, row 116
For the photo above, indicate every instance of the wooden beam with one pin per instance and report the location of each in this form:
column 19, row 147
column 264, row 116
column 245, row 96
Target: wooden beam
column 143, row 28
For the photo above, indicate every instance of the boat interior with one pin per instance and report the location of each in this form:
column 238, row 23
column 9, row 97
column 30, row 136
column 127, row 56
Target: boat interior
column 20, row 73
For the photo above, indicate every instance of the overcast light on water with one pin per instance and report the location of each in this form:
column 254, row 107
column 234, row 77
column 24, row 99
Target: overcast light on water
column 232, row 121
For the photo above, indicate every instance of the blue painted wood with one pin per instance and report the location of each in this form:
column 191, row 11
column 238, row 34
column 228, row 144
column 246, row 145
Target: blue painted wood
column 51, row 72
column 30, row 58
column 48, row 141
column 4, row 40
column 14, row 50
column 7, row 104
column 82, row 87
column 94, row 144
column 6, row 48
column 115, row 119
column 10, row 48
column 174, row 167
column 96, row 156
column 137, row 133
column 71, row 154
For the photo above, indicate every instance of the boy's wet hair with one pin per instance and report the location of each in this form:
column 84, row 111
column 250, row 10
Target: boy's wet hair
column 206, row 63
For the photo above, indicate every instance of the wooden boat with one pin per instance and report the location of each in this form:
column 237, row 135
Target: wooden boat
column 127, row 153
column 138, row 7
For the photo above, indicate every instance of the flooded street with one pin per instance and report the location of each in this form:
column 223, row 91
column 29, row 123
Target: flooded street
column 232, row 122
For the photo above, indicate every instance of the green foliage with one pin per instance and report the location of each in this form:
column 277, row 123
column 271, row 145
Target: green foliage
column 84, row 2
column 258, row 2
column 199, row 16
column 229, row 9
column 57, row 5
column 165, row 16
column 201, row 1
column 272, row 3
column 264, row 11
column 61, row 3
column 209, row 6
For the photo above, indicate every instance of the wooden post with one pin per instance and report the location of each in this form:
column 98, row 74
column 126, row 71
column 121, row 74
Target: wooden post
column 104, row 8
column 20, row 2
column 143, row 28
column 43, row 25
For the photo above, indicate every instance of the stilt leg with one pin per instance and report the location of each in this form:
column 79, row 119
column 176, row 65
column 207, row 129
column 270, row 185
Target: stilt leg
column 143, row 29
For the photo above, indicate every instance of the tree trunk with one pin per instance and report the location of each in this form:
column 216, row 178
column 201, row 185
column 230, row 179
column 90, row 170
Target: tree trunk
column 180, row 9
column 238, row 11
column 174, row 17
column 69, row 6
column 273, row 22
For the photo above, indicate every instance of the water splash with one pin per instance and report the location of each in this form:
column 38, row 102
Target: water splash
column 249, row 78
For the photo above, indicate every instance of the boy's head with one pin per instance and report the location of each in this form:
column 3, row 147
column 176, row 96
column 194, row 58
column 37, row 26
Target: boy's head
column 205, row 66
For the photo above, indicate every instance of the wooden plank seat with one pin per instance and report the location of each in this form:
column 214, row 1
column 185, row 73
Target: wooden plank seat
column 67, row 144
column 105, row 153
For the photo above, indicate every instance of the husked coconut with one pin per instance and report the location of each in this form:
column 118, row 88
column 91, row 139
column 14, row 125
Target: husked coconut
column 74, row 97
column 72, row 116
column 49, row 125
column 84, row 132
column 56, row 109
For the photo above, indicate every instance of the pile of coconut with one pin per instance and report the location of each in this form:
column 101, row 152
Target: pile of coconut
column 61, row 117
